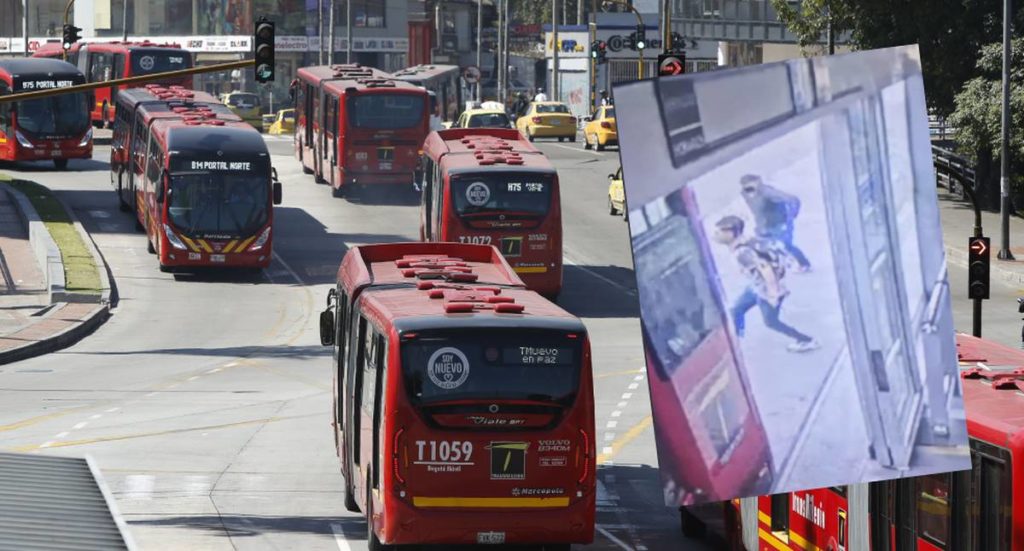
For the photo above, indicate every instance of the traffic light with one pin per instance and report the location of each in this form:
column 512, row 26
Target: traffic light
column 678, row 43
column 978, row 262
column 70, row 36
column 599, row 51
column 264, row 50
column 640, row 37
column 671, row 64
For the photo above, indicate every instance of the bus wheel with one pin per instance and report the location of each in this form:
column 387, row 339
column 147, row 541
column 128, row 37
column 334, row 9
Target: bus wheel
column 692, row 526
column 597, row 143
column 338, row 191
column 561, row 139
column 572, row 138
column 350, row 497
column 372, row 543
column 529, row 136
column 61, row 164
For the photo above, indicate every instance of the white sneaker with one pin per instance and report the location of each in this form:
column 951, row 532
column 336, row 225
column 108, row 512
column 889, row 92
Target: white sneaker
column 805, row 346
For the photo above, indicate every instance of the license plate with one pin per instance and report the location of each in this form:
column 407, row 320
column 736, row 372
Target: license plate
column 490, row 538
column 385, row 166
column 216, row 258
column 555, row 122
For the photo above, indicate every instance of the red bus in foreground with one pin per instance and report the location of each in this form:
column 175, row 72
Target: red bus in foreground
column 357, row 125
column 204, row 187
column 981, row 509
column 464, row 403
column 159, row 101
column 490, row 186
column 54, row 128
column 103, row 61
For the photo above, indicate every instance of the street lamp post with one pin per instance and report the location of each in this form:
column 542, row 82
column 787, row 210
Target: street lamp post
column 320, row 28
column 479, row 46
column 348, row 31
column 330, row 34
column 554, row 50
column 124, row 21
column 1004, row 180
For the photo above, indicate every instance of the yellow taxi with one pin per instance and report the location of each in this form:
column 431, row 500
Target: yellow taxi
column 284, row 122
column 601, row 130
column 245, row 105
column 483, row 118
column 547, row 119
column 617, row 195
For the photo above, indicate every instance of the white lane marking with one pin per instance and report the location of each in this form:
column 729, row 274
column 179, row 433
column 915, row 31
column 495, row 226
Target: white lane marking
column 339, row 537
column 139, row 486
column 607, row 450
column 61, row 435
column 97, row 416
column 609, row 436
column 197, row 486
column 616, row 413
column 230, row 364
column 621, row 405
column 612, row 538
column 576, row 149
column 151, row 394
column 627, row 395
column 99, row 214
column 633, row 386
column 112, row 410
column 639, row 377
column 80, row 425
column 47, row 444
column 611, row 424
column 212, row 371
column 194, row 377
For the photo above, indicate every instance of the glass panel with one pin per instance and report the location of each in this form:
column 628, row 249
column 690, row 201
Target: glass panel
column 933, row 508
column 719, row 402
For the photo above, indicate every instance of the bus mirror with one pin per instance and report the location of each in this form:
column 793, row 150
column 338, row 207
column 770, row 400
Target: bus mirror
column 1020, row 305
column 327, row 327
column 277, row 192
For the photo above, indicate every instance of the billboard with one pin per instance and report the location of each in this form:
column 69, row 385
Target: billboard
column 794, row 302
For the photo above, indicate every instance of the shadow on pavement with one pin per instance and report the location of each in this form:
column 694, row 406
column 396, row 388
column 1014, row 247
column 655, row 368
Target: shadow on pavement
column 290, row 352
column 398, row 195
column 237, row 526
column 599, row 292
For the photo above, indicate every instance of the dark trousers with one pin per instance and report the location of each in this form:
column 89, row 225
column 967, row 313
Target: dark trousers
column 784, row 234
column 770, row 313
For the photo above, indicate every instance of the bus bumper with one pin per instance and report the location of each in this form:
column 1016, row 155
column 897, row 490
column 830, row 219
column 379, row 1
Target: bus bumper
column 572, row 524
column 183, row 260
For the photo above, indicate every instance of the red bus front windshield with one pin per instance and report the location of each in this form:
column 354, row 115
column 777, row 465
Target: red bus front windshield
column 145, row 62
column 386, row 111
column 61, row 116
column 466, row 365
column 488, row 195
column 218, row 204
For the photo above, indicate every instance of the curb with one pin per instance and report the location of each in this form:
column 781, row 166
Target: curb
column 93, row 319
column 45, row 248
column 999, row 273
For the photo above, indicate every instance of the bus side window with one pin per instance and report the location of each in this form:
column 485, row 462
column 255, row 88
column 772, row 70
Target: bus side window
column 139, row 152
column 153, row 164
column 341, row 338
column 991, row 492
column 356, row 371
column 99, row 67
column 118, row 67
column 780, row 515
column 933, row 514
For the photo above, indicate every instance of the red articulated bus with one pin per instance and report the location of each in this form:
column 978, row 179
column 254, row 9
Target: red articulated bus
column 204, row 187
column 159, row 101
column 490, row 186
column 710, row 439
column 53, row 128
column 981, row 509
column 464, row 403
column 102, row 61
column 358, row 125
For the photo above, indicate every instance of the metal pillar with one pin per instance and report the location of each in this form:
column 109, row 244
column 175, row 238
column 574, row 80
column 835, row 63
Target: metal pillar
column 24, row 26
column 348, row 31
column 330, row 34
column 124, row 21
column 593, row 62
column 1004, row 179
column 320, row 28
column 554, row 51
column 479, row 46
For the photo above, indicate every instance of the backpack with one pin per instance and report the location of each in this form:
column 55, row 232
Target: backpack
column 770, row 251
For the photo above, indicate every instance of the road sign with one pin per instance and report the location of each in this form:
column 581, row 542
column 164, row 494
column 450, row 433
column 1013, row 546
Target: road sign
column 671, row 64
column 471, row 74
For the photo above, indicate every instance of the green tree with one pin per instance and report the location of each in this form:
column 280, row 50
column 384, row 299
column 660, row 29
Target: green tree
column 978, row 120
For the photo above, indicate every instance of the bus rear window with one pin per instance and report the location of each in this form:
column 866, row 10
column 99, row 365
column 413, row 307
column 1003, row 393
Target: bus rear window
column 386, row 111
column 491, row 365
column 501, row 193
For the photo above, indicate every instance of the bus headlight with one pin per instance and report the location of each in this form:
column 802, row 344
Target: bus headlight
column 86, row 139
column 261, row 241
column 175, row 242
column 22, row 140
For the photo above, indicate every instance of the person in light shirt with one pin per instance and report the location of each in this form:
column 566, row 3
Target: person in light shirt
column 541, row 96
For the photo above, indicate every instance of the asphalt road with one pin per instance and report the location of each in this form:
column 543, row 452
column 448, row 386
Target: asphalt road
column 205, row 400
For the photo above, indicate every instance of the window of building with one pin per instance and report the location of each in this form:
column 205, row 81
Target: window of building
column 368, row 13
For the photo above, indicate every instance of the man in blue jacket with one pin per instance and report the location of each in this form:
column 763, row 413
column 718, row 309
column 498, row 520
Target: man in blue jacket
column 774, row 212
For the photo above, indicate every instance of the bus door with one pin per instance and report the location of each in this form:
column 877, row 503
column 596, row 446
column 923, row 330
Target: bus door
column 507, row 415
column 875, row 306
column 516, row 211
column 332, row 130
column 428, row 188
column 353, row 380
column 307, row 114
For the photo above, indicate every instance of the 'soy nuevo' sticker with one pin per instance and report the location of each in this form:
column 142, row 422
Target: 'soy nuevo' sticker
column 448, row 368
column 478, row 194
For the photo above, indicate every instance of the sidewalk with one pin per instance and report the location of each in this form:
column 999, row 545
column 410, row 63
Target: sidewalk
column 30, row 325
column 958, row 226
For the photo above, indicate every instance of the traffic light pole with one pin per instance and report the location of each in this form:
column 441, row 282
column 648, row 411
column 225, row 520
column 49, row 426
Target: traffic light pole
column 67, row 11
column 976, row 317
column 130, row 80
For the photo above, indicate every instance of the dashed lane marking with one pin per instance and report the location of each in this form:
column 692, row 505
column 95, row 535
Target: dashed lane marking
column 629, row 436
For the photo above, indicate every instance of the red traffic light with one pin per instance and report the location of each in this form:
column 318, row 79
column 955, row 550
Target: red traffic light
column 979, row 246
